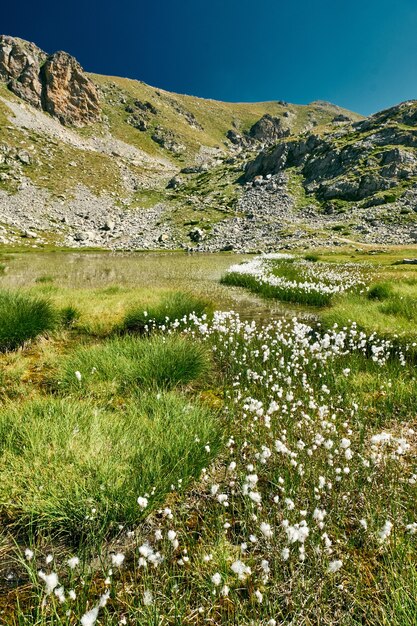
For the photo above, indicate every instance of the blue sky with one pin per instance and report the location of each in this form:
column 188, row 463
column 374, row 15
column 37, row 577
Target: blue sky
column 359, row 54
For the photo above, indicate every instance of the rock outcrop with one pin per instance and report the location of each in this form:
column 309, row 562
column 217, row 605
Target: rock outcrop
column 352, row 164
column 54, row 83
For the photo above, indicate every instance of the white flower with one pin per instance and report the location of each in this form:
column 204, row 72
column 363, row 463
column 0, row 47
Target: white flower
column 239, row 568
column 285, row 554
column 49, row 559
column 334, row 566
column 78, row 376
column 72, row 594
column 255, row 496
column 143, row 502
column 266, row 530
column 259, row 596
column 117, row 559
column 28, row 554
column 90, row 618
column 171, row 535
column 59, row 592
column 216, row 579
column 147, row 597
column 73, row 562
column 50, row 580
column 385, row 531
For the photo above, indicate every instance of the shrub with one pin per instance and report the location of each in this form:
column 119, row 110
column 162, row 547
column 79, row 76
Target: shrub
column 174, row 306
column 379, row 291
column 23, row 317
column 125, row 363
column 64, row 458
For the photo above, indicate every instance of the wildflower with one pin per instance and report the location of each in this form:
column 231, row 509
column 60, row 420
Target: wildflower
column 73, row 562
column 28, row 554
column 117, row 559
column 259, row 596
column 239, row 568
column 216, row 579
column 50, row 580
column 147, row 597
column 49, row 559
column 334, row 566
column 385, row 531
column 72, row 594
column 266, row 530
column 78, row 376
column 143, row 502
column 285, row 553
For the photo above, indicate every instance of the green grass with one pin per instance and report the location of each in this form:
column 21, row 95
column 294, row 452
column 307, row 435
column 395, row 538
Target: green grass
column 284, row 293
column 126, row 364
column 379, row 291
column 23, row 318
column 76, row 470
column 174, row 306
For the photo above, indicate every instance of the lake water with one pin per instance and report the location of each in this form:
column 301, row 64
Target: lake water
column 199, row 273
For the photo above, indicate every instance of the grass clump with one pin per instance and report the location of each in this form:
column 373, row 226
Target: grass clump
column 71, row 468
column 401, row 306
column 379, row 291
column 174, row 306
column 285, row 293
column 312, row 257
column 69, row 315
column 23, row 318
column 126, row 363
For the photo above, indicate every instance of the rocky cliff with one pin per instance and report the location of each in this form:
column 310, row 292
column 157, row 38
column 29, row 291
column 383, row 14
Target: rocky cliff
column 154, row 169
column 55, row 83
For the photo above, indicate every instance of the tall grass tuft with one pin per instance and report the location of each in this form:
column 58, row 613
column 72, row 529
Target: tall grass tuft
column 379, row 291
column 23, row 317
column 285, row 294
column 125, row 363
column 77, row 470
column 174, row 306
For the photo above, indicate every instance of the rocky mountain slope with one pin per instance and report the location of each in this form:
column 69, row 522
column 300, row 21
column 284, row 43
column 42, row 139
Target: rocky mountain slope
column 89, row 160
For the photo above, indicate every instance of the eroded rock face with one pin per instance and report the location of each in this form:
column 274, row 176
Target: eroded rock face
column 68, row 94
column 54, row 83
column 19, row 67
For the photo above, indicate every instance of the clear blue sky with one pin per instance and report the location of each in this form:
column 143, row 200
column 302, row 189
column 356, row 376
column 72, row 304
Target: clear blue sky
column 359, row 54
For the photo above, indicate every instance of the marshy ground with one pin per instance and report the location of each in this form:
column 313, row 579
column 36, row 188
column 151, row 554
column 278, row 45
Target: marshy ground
column 163, row 462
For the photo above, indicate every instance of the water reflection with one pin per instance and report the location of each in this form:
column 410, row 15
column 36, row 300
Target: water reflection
column 197, row 273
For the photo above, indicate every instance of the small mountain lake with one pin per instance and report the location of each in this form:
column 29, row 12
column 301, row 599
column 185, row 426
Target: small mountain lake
column 198, row 273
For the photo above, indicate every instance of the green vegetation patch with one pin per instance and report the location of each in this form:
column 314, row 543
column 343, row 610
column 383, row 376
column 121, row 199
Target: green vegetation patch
column 124, row 364
column 174, row 306
column 23, row 318
column 73, row 468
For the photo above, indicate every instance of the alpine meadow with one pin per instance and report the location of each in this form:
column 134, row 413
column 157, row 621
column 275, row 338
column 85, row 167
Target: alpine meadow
column 208, row 347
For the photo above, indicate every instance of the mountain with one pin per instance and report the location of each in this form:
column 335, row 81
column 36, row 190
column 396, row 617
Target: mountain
column 90, row 160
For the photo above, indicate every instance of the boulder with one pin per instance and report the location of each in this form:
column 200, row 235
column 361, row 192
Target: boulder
column 196, row 235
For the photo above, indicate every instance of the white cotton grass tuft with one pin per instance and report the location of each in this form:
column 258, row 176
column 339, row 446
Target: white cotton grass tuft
column 147, row 597
column 334, row 566
column 29, row 554
column 90, row 618
column 143, row 502
column 117, row 559
column 50, row 580
column 385, row 531
column 73, row 562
